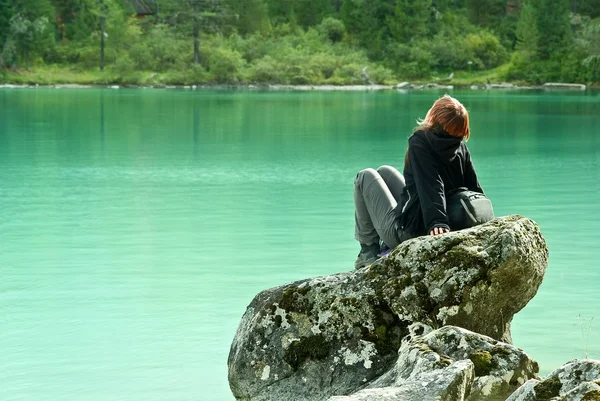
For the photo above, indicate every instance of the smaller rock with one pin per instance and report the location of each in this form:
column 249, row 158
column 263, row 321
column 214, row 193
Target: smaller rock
column 576, row 380
column 499, row 367
column 451, row 364
column 452, row 383
column 588, row 391
column 404, row 85
column 561, row 85
column 525, row 392
column 500, row 86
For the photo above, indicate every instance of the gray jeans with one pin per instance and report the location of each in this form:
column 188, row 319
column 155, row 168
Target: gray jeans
column 376, row 195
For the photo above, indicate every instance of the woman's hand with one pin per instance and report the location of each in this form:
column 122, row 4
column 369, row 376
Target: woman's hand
column 439, row 230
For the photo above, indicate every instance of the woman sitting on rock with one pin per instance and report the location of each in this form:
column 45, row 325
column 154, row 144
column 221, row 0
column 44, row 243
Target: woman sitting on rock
column 393, row 208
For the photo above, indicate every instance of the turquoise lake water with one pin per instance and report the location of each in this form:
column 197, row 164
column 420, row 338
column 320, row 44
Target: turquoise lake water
column 137, row 225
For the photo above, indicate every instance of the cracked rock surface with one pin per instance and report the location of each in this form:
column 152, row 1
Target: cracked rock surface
column 338, row 334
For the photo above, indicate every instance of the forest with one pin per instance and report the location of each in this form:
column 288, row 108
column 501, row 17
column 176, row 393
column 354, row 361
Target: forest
column 152, row 42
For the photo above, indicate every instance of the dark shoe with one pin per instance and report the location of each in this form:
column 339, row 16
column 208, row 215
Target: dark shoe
column 367, row 255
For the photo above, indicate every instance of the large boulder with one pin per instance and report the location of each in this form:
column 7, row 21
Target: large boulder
column 332, row 335
column 577, row 380
column 452, row 364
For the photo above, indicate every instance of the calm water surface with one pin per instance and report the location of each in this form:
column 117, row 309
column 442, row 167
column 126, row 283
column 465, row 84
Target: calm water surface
column 136, row 225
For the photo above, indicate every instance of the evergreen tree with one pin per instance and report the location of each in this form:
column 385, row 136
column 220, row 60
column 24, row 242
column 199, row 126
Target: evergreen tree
column 527, row 31
column 248, row 15
column 410, row 20
column 590, row 8
column 310, row 13
column 366, row 21
column 6, row 13
column 30, row 32
column 76, row 19
column 486, row 13
column 591, row 41
column 280, row 11
column 34, row 9
column 554, row 27
column 190, row 18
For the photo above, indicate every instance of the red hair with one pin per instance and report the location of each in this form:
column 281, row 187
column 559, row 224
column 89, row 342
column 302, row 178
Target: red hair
column 448, row 114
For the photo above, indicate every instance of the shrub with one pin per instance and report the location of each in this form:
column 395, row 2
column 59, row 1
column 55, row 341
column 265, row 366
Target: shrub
column 381, row 75
column 322, row 65
column 160, row 50
column 333, row 29
column 347, row 74
column 450, row 52
column 485, row 50
column 266, row 70
column 89, row 57
column 523, row 68
column 224, row 65
column 254, row 47
column 124, row 64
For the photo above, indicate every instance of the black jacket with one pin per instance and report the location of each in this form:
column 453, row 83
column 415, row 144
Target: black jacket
column 437, row 163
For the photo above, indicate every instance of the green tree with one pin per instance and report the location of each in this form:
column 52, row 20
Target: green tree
column 6, row 13
column 366, row 22
column 527, row 31
column 34, row 9
column 591, row 43
column 486, row 13
column 76, row 19
column 30, row 31
column 190, row 18
column 248, row 16
column 310, row 13
column 280, row 11
column 25, row 39
column 333, row 29
column 554, row 27
column 590, row 8
column 410, row 20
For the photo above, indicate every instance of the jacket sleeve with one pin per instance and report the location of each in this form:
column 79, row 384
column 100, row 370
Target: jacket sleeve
column 430, row 186
column 471, row 180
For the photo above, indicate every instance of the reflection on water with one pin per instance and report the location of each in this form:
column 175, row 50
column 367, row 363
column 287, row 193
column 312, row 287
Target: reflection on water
column 137, row 225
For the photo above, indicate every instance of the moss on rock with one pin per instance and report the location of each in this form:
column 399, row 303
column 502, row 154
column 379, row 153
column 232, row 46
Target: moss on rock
column 482, row 360
column 293, row 299
column 548, row 389
column 500, row 350
column 592, row 396
column 388, row 330
column 313, row 347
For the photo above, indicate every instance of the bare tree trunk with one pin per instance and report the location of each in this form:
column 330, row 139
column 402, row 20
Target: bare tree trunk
column 102, row 19
column 196, row 34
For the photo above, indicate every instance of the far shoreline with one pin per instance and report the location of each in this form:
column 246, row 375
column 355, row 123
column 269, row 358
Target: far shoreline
column 402, row 87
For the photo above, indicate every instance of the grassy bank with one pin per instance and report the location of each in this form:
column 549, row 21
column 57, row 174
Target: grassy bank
column 57, row 75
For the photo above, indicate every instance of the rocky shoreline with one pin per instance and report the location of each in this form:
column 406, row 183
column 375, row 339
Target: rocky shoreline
column 403, row 87
column 430, row 321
